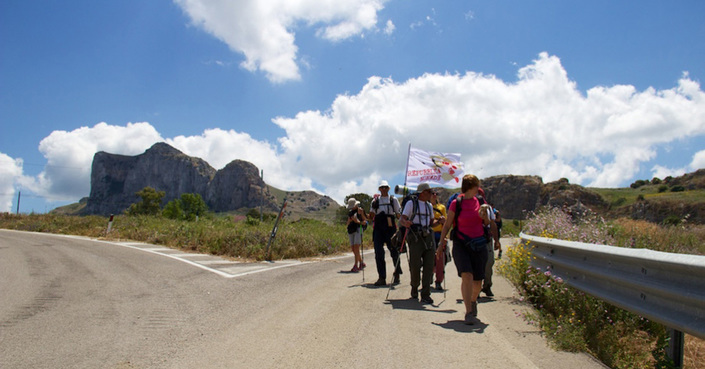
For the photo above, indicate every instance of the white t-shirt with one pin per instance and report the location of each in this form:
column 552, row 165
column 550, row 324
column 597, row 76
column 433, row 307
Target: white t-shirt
column 424, row 214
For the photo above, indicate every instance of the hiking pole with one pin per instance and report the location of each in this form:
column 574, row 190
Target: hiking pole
column 403, row 241
column 362, row 254
column 444, row 274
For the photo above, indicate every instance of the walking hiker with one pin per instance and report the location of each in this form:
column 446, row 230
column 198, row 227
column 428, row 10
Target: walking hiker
column 417, row 216
column 439, row 218
column 384, row 211
column 492, row 234
column 356, row 218
column 469, row 243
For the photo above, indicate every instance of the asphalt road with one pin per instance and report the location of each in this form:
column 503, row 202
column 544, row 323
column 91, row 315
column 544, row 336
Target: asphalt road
column 70, row 302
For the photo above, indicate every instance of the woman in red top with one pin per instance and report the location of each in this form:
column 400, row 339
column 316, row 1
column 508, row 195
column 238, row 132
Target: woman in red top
column 470, row 245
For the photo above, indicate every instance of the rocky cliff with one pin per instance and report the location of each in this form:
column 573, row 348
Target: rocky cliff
column 116, row 178
column 235, row 186
column 513, row 195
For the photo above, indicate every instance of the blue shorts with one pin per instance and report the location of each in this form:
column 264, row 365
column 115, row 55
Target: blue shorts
column 470, row 260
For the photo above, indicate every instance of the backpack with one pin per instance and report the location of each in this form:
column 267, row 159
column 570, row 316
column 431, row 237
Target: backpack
column 453, row 197
column 487, row 228
column 375, row 203
column 392, row 216
column 401, row 231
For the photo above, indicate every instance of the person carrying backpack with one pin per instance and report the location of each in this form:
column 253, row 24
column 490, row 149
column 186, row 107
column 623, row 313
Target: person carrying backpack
column 417, row 216
column 439, row 218
column 384, row 211
column 356, row 219
column 492, row 234
column 469, row 243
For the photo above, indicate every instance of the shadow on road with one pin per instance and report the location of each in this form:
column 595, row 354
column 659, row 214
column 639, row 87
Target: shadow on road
column 460, row 326
column 412, row 304
column 370, row 285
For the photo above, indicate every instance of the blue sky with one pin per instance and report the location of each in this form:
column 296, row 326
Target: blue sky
column 327, row 95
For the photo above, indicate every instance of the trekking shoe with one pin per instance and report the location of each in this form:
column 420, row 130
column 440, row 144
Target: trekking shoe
column 381, row 282
column 362, row 266
column 439, row 286
column 427, row 300
column 470, row 319
column 396, row 279
column 488, row 292
column 414, row 293
column 355, row 269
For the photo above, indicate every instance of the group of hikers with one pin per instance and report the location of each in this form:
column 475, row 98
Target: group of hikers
column 422, row 226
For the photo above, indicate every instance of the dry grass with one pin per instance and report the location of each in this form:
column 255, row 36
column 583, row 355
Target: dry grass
column 236, row 236
column 694, row 356
column 682, row 239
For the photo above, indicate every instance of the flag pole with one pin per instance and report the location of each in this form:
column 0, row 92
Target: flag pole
column 406, row 172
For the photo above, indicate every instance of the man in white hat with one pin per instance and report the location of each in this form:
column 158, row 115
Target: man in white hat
column 385, row 210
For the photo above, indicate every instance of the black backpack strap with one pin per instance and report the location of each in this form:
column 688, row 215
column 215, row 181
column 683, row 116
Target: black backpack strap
column 458, row 203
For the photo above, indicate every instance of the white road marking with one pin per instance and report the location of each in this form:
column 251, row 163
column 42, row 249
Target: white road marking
column 236, row 269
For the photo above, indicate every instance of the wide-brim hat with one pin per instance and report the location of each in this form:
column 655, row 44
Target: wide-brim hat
column 423, row 187
column 383, row 184
column 352, row 202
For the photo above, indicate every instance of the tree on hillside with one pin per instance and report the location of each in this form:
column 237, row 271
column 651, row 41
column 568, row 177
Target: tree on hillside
column 151, row 202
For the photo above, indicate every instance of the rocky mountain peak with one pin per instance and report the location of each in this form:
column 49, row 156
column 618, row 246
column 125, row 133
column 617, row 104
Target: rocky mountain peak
column 116, row 178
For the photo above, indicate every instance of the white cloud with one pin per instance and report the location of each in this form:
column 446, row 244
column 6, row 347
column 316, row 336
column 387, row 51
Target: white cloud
column 264, row 30
column 219, row 147
column 698, row 161
column 70, row 155
column 389, row 27
column 662, row 172
column 10, row 171
column 539, row 124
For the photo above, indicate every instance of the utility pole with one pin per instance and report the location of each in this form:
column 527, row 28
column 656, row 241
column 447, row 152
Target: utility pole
column 261, row 200
column 19, row 194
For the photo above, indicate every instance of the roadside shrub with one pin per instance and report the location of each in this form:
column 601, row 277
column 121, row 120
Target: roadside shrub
column 571, row 319
column 619, row 202
column 672, row 220
column 638, row 183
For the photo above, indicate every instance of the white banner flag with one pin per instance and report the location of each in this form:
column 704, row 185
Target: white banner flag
column 434, row 168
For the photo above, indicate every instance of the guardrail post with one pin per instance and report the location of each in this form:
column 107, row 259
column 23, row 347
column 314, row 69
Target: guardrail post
column 268, row 257
column 110, row 224
column 675, row 347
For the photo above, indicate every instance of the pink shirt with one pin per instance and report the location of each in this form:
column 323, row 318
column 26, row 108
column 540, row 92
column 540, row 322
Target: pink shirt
column 469, row 221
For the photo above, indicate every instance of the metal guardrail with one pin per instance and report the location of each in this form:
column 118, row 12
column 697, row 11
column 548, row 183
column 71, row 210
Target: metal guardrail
column 663, row 287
